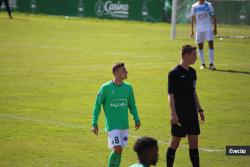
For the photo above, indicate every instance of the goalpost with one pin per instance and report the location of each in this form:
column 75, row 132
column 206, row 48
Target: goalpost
column 173, row 20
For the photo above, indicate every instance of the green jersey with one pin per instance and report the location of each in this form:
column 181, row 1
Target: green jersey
column 115, row 99
column 137, row 165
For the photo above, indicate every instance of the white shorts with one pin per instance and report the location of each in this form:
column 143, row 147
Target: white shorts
column 200, row 37
column 117, row 137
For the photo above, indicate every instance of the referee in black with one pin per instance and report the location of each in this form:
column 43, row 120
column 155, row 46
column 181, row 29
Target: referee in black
column 184, row 106
column 6, row 2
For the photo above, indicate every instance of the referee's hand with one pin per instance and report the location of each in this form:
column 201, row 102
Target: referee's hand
column 174, row 119
column 202, row 117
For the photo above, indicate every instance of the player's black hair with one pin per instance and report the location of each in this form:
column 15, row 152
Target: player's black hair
column 143, row 144
column 116, row 66
column 187, row 49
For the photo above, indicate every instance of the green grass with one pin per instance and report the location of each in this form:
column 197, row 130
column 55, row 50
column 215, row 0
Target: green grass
column 51, row 69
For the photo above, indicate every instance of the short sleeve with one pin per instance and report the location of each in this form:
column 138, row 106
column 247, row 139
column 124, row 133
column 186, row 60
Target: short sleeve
column 171, row 82
column 211, row 10
column 192, row 11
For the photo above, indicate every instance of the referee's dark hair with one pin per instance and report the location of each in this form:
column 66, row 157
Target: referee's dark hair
column 116, row 66
column 143, row 144
column 187, row 49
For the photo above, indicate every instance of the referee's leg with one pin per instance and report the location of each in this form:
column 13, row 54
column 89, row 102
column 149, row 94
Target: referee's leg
column 170, row 156
column 193, row 150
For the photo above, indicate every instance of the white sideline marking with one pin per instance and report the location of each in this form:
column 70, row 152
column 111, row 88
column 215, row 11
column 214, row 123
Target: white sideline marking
column 63, row 124
column 57, row 123
column 185, row 146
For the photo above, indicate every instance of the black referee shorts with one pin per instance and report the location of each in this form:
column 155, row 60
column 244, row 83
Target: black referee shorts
column 187, row 127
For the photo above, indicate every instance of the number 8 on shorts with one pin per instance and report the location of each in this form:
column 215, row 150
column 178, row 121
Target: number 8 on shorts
column 117, row 138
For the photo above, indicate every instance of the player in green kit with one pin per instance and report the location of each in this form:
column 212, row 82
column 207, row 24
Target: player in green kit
column 116, row 97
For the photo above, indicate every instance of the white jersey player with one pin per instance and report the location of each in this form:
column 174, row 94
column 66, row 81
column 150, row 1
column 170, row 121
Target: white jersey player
column 203, row 15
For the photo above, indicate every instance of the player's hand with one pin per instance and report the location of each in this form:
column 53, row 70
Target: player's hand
column 174, row 119
column 95, row 130
column 137, row 126
column 192, row 34
column 215, row 32
column 202, row 117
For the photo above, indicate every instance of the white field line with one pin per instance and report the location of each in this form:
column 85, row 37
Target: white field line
column 63, row 124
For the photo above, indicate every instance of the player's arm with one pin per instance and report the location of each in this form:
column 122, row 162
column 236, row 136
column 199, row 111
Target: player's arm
column 199, row 108
column 215, row 24
column 97, row 110
column 192, row 21
column 192, row 25
column 171, row 99
column 133, row 109
column 212, row 14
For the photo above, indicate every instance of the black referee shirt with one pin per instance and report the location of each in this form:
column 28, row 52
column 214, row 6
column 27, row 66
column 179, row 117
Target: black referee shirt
column 182, row 83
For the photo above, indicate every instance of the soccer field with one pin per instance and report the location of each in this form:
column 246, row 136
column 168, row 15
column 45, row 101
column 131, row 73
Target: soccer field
column 51, row 69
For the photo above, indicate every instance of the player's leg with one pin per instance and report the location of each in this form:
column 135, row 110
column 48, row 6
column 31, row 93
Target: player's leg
column 114, row 138
column 170, row 155
column 210, row 39
column 115, row 157
column 211, row 54
column 199, row 38
column 201, row 55
column 8, row 8
column 0, row 4
column 193, row 150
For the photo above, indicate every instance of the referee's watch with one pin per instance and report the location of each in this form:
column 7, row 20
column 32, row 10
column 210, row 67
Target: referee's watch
column 200, row 110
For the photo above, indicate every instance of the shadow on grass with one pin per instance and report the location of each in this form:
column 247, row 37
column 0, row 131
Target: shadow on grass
column 233, row 71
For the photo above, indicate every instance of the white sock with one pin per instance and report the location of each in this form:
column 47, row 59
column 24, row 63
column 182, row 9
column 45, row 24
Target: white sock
column 201, row 54
column 211, row 56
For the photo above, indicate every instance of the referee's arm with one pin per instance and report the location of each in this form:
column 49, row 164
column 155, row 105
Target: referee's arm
column 171, row 94
column 197, row 101
column 174, row 117
column 199, row 109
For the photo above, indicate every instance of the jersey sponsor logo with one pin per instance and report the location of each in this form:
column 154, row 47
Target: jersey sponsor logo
column 203, row 16
column 182, row 76
column 119, row 103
